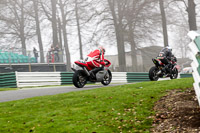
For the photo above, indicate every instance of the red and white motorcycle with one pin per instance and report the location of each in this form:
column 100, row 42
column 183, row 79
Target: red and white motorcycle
column 82, row 74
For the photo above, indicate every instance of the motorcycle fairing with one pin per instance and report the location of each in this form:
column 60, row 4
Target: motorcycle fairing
column 157, row 62
column 82, row 63
column 100, row 75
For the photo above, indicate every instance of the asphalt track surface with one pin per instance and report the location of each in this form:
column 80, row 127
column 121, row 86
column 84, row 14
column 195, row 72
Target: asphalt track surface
column 43, row 91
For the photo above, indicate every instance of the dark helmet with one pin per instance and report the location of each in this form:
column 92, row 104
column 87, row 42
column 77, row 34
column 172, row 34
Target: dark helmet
column 169, row 48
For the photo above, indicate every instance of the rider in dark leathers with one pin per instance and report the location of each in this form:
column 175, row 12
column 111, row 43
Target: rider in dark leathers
column 168, row 56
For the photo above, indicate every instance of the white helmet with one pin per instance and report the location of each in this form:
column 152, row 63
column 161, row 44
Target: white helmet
column 169, row 48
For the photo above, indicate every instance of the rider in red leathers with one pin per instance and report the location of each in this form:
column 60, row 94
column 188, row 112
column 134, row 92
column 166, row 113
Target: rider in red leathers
column 95, row 60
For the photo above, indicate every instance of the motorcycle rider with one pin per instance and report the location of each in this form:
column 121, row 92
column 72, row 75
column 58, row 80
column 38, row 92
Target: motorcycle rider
column 167, row 54
column 95, row 60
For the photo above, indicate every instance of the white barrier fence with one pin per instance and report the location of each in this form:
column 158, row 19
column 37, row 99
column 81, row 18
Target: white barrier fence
column 27, row 79
column 195, row 48
column 119, row 77
column 31, row 79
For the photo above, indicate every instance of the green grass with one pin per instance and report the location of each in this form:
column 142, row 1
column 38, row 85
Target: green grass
column 52, row 86
column 8, row 89
column 45, row 86
column 125, row 108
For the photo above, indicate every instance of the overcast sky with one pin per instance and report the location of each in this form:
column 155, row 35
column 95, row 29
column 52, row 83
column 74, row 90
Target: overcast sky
column 107, row 42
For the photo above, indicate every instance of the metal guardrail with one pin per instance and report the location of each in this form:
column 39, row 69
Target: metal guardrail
column 35, row 79
column 185, row 75
column 119, row 77
column 8, row 80
column 29, row 79
column 66, row 78
column 137, row 77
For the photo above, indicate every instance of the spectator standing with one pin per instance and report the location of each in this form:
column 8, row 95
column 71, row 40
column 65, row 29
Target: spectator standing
column 56, row 51
column 35, row 52
column 52, row 54
column 49, row 56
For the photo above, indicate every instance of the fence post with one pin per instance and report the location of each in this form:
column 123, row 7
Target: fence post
column 17, row 81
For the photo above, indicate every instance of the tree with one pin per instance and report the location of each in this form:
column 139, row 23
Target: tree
column 18, row 10
column 78, row 28
column 117, row 9
column 164, row 23
column 139, row 22
column 22, row 25
column 131, row 37
column 60, row 38
column 140, row 25
column 64, row 14
column 192, row 15
column 17, row 24
column 38, row 30
column 58, row 21
column 191, row 10
column 85, row 13
column 54, row 22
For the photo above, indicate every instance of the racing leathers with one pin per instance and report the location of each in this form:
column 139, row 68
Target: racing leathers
column 95, row 60
column 167, row 54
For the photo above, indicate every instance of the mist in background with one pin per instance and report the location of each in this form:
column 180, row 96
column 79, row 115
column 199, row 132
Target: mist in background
column 79, row 26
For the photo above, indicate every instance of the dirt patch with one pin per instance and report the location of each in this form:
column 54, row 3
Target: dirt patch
column 177, row 112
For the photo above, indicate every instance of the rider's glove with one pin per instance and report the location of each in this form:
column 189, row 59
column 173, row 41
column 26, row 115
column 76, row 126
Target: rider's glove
column 102, row 63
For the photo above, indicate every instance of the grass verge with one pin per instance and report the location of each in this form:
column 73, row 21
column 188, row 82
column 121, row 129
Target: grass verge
column 126, row 108
column 8, row 89
column 46, row 86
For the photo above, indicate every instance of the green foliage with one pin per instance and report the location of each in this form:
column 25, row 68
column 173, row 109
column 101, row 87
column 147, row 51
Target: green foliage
column 126, row 108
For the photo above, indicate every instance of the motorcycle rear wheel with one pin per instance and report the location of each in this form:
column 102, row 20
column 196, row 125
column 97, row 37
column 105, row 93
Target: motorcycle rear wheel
column 79, row 79
column 174, row 74
column 153, row 74
column 107, row 78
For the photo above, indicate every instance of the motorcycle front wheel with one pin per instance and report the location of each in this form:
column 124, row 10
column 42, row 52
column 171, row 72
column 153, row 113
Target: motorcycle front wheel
column 153, row 74
column 174, row 74
column 79, row 79
column 107, row 78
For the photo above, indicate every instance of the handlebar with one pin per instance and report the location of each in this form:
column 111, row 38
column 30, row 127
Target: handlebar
column 107, row 63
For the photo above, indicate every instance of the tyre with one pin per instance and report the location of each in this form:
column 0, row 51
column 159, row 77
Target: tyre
column 153, row 74
column 79, row 79
column 174, row 74
column 107, row 78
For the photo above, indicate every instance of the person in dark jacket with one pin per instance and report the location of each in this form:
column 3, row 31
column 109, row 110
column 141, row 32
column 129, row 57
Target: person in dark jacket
column 167, row 54
column 35, row 52
column 56, row 55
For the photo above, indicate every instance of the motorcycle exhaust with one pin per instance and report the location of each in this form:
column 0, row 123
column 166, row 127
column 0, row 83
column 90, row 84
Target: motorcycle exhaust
column 159, row 73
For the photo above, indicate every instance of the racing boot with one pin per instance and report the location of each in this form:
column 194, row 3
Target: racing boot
column 92, row 75
column 169, row 69
column 165, row 71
